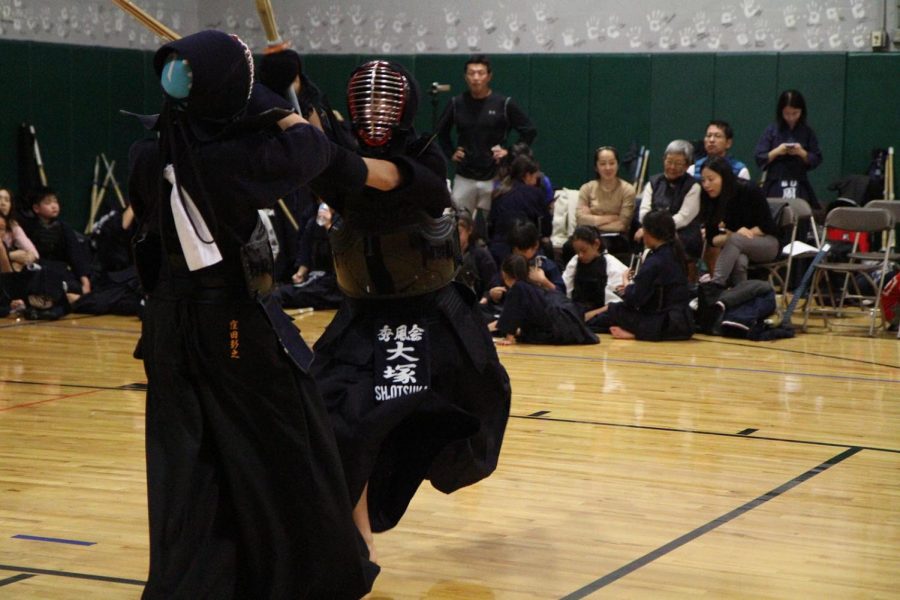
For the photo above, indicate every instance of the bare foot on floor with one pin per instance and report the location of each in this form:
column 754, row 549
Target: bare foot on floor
column 620, row 334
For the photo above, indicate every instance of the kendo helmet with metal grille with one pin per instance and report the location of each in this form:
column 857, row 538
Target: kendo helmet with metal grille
column 381, row 98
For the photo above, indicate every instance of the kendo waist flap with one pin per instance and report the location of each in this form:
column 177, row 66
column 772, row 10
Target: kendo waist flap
column 409, row 260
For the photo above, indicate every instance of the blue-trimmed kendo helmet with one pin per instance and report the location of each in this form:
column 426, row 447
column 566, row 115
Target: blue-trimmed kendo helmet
column 382, row 98
column 209, row 74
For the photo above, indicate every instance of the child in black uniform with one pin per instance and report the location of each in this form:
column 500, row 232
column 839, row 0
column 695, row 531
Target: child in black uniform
column 655, row 304
column 534, row 315
column 589, row 289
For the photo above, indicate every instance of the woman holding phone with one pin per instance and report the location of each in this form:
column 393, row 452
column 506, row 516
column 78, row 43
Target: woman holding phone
column 787, row 150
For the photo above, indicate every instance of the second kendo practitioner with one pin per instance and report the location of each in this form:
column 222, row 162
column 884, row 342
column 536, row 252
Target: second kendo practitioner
column 407, row 368
column 246, row 494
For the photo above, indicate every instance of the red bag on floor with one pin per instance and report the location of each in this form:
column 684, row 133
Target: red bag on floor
column 890, row 300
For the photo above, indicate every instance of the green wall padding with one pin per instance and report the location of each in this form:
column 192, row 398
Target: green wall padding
column 559, row 109
column 872, row 113
column 742, row 80
column 72, row 95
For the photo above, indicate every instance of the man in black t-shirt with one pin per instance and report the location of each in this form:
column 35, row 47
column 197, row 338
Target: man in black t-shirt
column 483, row 120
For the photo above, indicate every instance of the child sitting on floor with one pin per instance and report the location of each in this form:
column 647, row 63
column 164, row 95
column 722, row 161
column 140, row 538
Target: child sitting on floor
column 535, row 315
column 655, row 304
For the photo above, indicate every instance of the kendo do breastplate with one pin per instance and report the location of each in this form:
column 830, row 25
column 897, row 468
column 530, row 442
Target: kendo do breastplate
column 410, row 258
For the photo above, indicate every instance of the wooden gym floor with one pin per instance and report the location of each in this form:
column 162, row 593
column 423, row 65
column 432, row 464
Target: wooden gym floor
column 716, row 467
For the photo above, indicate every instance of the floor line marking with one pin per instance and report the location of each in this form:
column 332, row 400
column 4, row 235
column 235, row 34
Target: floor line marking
column 16, row 578
column 106, row 578
column 38, row 538
column 37, row 402
column 703, row 529
column 702, row 432
column 659, row 363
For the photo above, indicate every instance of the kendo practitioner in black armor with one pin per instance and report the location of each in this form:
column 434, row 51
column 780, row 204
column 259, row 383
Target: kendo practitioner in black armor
column 407, row 368
column 246, row 494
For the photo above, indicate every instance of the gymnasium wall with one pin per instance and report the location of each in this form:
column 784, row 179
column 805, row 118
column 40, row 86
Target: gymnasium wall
column 72, row 95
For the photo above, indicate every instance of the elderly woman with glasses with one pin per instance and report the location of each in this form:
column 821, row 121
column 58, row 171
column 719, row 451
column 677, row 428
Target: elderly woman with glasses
column 678, row 193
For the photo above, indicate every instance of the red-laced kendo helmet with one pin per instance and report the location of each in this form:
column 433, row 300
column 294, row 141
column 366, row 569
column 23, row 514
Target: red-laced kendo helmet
column 378, row 96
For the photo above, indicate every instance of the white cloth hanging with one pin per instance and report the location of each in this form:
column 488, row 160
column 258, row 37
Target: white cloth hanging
column 191, row 228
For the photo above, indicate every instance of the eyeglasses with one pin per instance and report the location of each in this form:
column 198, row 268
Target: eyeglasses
column 669, row 162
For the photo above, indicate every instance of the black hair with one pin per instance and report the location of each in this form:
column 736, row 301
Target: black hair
column 661, row 225
column 724, row 126
column 39, row 193
column 11, row 215
column 721, row 166
column 521, row 166
column 603, row 149
column 516, row 267
column 523, row 235
column 478, row 59
column 465, row 219
column 793, row 99
column 587, row 233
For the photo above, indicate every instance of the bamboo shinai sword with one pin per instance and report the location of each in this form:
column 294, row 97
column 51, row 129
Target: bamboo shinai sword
column 164, row 32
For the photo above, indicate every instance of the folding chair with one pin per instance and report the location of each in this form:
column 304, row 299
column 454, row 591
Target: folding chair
column 795, row 212
column 893, row 207
column 787, row 222
column 834, row 305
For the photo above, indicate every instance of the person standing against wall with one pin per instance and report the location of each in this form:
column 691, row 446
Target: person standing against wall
column 483, row 120
column 787, row 150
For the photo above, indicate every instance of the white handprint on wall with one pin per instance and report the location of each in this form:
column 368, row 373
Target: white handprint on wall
column 488, row 22
column 614, row 29
column 542, row 37
column 450, row 41
column 790, row 16
column 358, row 37
column 751, row 8
column 814, row 17
column 728, row 16
column 686, row 37
column 634, row 36
column 741, row 36
column 835, row 37
column 314, row 16
column 570, row 40
column 506, row 42
column 858, row 9
column 356, row 15
column 813, row 38
column 399, row 23
column 541, row 15
column 390, row 44
column 451, row 16
column 472, row 38
column 334, row 36
column 761, row 35
column 592, row 28
column 701, row 24
column 833, row 14
column 514, row 24
column 667, row 39
column 379, row 21
column 333, row 14
column 655, row 20
column 859, row 36
column 714, row 41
